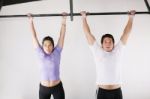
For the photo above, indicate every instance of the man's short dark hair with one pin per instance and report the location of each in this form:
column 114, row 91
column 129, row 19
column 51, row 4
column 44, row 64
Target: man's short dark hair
column 107, row 35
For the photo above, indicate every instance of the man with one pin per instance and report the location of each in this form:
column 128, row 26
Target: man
column 107, row 58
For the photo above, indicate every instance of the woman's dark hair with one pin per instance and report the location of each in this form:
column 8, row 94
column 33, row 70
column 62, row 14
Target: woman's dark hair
column 107, row 35
column 48, row 38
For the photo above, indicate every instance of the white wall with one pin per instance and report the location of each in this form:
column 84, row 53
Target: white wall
column 19, row 71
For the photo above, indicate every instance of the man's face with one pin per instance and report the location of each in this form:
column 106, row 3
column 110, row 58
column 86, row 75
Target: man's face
column 108, row 44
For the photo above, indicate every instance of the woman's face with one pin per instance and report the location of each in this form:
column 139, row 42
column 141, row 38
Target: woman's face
column 108, row 44
column 47, row 46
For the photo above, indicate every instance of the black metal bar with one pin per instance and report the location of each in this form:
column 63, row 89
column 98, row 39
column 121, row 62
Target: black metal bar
column 71, row 10
column 11, row 2
column 147, row 5
column 73, row 14
column 111, row 13
column 33, row 15
column 1, row 4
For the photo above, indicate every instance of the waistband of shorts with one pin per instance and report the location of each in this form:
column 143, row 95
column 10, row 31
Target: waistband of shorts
column 107, row 90
column 57, row 86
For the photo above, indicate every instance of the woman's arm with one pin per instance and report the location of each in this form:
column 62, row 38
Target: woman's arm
column 62, row 30
column 34, row 34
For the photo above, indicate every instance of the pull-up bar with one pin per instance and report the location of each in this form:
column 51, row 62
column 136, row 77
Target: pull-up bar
column 71, row 14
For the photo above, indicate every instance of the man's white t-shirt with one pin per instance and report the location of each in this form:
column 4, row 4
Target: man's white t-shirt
column 108, row 64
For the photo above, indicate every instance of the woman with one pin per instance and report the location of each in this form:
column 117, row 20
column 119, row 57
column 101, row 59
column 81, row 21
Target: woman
column 50, row 56
column 107, row 58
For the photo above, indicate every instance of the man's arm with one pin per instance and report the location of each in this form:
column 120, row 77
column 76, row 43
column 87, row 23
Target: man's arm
column 90, row 38
column 128, row 27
